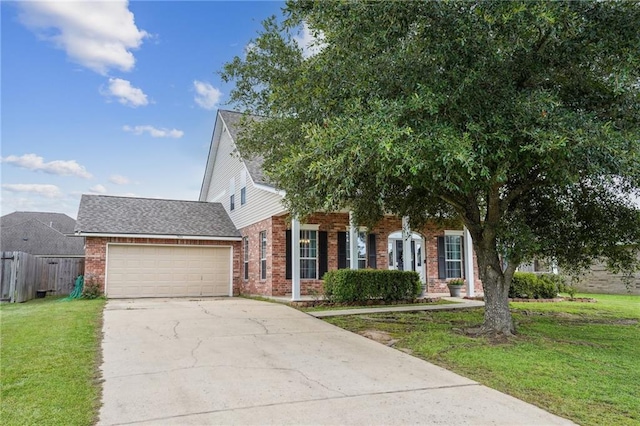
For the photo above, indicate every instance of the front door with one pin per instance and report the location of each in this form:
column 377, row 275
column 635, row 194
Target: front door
column 414, row 262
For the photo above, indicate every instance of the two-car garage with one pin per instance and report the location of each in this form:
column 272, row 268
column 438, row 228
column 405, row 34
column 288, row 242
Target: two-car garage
column 168, row 271
column 145, row 247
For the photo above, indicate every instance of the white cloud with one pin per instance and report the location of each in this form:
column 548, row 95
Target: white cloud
column 98, row 189
column 126, row 93
column 119, row 179
column 57, row 167
column 98, row 35
column 309, row 43
column 48, row 191
column 154, row 132
column 207, row 96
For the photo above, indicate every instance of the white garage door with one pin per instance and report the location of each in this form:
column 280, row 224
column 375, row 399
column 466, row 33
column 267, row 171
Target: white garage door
column 167, row 271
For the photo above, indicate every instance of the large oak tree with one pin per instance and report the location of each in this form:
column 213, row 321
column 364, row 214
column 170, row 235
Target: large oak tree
column 520, row 119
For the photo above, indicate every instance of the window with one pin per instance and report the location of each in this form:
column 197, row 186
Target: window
column 232, row 192
column 245, row 247
column 263, row 255
column 243, row 187
column 453, row 256
column 308, row 254
column 362, row 250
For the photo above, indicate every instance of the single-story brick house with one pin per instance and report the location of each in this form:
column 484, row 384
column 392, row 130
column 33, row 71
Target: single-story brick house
column 270, row 253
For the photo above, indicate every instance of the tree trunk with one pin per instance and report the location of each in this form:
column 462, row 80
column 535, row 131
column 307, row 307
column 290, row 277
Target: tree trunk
column 497, row 316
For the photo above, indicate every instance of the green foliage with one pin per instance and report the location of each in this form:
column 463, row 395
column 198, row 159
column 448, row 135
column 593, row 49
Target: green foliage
column 91, row 289
column 535, row 286
column 520, row 119
column 346, row 285
column 456, row 282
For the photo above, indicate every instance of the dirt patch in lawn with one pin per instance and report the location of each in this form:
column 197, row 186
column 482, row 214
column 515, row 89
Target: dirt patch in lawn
column 379, row 336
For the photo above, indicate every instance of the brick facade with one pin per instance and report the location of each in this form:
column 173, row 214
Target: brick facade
column 276, row 283
column 601, row 280
column 96, row 254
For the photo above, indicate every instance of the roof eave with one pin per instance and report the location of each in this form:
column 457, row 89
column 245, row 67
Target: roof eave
column 158, row 236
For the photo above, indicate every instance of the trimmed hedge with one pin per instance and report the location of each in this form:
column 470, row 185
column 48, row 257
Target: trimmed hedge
column 527, row 285
column 347, row 285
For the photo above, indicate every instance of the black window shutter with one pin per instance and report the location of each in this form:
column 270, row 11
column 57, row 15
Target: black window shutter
column 287, row 249
column 371, row 250
column 323, row 258
column 442, row 270
column 342, row 250
column 413, row 258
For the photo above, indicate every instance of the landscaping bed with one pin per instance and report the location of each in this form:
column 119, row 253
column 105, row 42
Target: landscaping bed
column 555, row 299
column 368, row 303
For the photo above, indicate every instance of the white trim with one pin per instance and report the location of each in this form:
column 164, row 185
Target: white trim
column 407, row 238
column 268, row 188
column 295, row 259
column 468, row 263
column 309, row 227
column 353, row 242
column 158, row 237
column 454, row 232
column 106, row 259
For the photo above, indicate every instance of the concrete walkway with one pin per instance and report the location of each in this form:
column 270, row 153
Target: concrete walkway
column 459, row 304
column 240, row 361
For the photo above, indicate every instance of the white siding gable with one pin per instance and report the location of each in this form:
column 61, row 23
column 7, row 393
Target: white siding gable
column 224, row 170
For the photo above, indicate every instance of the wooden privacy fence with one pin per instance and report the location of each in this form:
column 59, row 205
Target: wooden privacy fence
column 23, row 274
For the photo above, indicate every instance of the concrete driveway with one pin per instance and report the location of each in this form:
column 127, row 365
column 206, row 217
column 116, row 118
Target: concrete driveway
column 239, row 361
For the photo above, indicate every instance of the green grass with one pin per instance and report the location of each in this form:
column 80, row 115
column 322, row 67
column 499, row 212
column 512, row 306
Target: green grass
column 580, row 361
column 48, row 362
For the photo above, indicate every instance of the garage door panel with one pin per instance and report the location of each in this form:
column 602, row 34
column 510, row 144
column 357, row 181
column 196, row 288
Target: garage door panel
column 165, row 271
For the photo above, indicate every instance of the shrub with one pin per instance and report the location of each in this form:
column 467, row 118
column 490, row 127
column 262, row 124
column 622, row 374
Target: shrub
column 527, row 285
column 347, row 285
column 91, row 289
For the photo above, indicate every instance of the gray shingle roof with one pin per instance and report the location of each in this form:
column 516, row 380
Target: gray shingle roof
column 40, row 233
column 254, row 165
column 59, row 221
column 102, row 214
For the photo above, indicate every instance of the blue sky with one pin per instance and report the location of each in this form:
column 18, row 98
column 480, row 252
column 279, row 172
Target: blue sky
column 114, row 98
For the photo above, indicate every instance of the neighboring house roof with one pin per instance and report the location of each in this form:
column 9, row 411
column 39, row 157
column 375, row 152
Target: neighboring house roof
column 102, row 214
column 59, row 221
column 232, row 119
column 40, row 233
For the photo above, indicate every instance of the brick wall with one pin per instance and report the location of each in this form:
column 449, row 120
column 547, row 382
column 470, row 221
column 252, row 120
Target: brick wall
column 276, row 283
column 96, row 254
column 600, row 280
column 255, row 285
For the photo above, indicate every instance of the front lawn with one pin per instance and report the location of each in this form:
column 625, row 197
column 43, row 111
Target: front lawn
column 49, row 362
column 577, row 360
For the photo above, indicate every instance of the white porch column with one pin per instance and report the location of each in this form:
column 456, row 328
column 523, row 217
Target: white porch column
column 407, row 255
column 295, row 259
column 353, row 242
column 468, row 263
